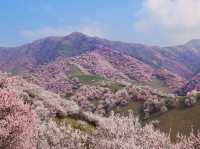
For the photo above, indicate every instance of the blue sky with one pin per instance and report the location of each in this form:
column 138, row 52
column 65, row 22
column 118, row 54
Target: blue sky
column 144, row 21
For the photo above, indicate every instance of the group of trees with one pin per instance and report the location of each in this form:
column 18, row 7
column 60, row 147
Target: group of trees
column 17, row 122
column 126, row 132
column 18, row 130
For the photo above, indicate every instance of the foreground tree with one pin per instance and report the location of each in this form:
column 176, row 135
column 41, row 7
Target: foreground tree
column 17, row 122
column 126, row 132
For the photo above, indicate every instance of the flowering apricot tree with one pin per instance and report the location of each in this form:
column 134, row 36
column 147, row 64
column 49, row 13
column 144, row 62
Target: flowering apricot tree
column 17, row 122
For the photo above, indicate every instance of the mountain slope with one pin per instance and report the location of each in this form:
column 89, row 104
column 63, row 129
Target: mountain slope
column 126, row 60
column 47, row 49
column 193, row 84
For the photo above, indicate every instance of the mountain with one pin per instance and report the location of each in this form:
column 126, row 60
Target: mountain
column 187, row 55
column 74, row 83
column 158, row 66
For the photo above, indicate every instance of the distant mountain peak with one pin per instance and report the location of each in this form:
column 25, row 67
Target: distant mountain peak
column 194, row 42
column 76, row 34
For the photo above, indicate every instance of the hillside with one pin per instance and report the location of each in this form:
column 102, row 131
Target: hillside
column 175, row 59
column 193, row 84
column 124, row 61
column 60, row 123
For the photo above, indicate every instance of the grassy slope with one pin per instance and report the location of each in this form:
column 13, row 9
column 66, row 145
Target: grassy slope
column 180, row 120
column 75, row 123
column 67, row 50
column 134, row 107
column 89, row 79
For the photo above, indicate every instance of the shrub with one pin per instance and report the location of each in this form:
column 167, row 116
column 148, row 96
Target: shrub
column 191, row 142
column 17, row 123
column 122, row 132
column 117, row 132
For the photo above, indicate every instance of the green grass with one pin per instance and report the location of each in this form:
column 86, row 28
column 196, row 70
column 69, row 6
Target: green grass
column 75, row 71
column 89, row 79
column 16, row 70
column 180, row 120
column 114, row 86
column 159, row 84
column 75, row 123
column 84, row 78
column 182, row 101
column 134, row 107
column 156, row 84
column 67, row 50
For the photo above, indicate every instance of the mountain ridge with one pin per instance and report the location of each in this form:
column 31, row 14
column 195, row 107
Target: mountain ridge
column 178, row 60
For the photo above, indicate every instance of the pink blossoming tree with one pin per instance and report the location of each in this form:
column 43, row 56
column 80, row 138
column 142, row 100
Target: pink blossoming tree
column 17, row 122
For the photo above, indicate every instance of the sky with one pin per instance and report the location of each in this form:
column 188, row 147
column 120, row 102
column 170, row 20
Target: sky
column 153, row 22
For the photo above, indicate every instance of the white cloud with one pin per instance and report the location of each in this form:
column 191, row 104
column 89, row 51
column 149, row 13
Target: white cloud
column 94, row 29
column 175, row 21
